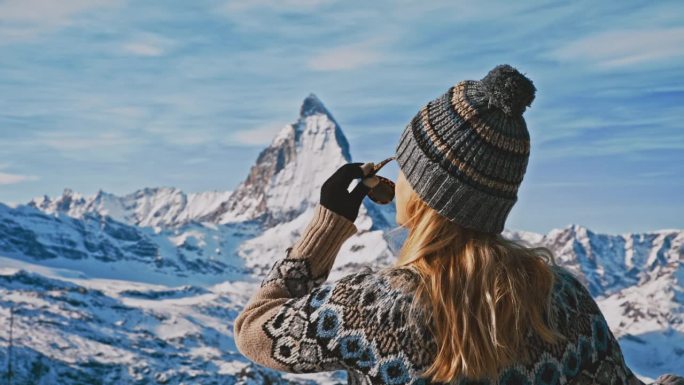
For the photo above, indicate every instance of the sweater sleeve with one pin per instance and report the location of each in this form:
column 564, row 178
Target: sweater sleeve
column 298, row 323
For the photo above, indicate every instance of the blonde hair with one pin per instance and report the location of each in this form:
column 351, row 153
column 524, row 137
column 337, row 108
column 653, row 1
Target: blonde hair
column 484, row 293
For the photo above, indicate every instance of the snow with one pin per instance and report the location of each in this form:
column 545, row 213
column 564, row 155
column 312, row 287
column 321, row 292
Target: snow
column 284, row 134
column 151, row 207
column 70, row 328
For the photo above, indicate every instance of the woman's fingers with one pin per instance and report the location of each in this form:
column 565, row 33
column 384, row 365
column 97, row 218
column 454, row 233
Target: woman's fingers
column 344, row 175
column 371, row 181
column 367, row 168
column 335, row 194
column 358, row 193
column 362, row 188
column 347, row 173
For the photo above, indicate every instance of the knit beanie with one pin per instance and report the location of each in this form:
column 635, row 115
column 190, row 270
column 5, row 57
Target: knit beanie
column 466, row 152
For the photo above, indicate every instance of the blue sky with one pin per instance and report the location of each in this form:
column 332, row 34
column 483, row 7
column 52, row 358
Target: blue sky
column 120, row 95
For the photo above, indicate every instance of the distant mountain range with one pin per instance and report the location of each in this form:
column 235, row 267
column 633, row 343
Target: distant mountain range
column 144, row 288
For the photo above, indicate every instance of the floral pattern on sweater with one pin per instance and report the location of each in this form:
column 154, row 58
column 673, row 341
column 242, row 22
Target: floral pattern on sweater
column 364, row 324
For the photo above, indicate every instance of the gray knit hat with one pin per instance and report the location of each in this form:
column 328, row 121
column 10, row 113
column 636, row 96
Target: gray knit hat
column 466, row 152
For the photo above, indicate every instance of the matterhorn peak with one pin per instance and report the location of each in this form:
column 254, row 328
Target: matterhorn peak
column 288, row 174
column 312, row 105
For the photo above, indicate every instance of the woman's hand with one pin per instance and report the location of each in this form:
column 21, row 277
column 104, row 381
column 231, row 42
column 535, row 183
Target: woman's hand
column 335, row 196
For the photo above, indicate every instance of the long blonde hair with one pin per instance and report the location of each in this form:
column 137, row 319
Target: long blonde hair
column 483, row 291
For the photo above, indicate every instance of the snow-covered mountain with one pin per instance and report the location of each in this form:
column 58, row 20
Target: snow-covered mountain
column 638, row 282
column 609, row 263
column 153, row 207
column 287, row 176
column 143, row 288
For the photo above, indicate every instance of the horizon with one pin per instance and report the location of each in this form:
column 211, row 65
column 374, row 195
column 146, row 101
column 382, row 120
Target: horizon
column 115, row 96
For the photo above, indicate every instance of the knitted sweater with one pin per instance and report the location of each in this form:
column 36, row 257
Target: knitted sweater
column 299, row 323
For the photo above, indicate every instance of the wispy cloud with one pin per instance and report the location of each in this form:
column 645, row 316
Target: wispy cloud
column 7, row 179
column 24, row 19
column 657, row 174
column 71, row 142
column 261, row 135
column 181, row 137
column 241, row 5
column 623, row 48
column 624, row 145
column 347, row 57
column 148, row 45
column 114, row 147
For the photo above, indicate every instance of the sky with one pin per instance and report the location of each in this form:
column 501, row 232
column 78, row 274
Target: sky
column 120, row 95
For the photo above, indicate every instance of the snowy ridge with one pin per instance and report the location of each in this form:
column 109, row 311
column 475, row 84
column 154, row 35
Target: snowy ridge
column 153, row 207
column 638, row 282
column 93, row 331
column 609, row 263
column 102, row 247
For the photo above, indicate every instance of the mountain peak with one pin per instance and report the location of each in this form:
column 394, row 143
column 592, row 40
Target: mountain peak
column 312, row 105
column 288, row 174
column 578, row 229
column 150, row 206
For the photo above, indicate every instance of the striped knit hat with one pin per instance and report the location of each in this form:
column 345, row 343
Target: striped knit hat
column 466, row 152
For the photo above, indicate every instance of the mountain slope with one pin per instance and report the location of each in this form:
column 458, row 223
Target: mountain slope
column 89, row 331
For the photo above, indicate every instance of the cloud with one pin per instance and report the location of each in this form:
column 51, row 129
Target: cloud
column 6, row 178
column 46, row 11
column 615, row 146
column 622, row 48
column 24, row 19
column 197, row 160
column 262, row 135
column 148, row 45
column 107, row 146
column 179, row 133
column 143, row 49
column 126, row 112
column 241, row 5
column 347, row 57
column 657, row 174
column 66, row 143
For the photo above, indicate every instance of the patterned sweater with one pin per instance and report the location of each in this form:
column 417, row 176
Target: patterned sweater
column 299, row 323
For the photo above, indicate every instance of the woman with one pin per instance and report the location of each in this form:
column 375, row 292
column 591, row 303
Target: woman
column 462, row 304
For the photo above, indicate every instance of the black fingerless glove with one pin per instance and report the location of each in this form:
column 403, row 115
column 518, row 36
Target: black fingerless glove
column 334, row 194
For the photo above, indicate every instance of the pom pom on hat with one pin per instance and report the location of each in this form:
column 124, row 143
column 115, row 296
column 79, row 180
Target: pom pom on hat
column 508, row 89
